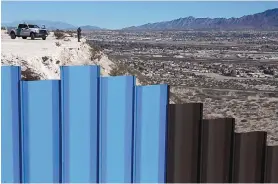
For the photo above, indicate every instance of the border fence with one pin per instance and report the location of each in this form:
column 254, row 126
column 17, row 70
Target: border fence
column 86, row 128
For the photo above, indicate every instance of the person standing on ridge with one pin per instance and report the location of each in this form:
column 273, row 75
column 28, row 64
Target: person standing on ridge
column 79, row 34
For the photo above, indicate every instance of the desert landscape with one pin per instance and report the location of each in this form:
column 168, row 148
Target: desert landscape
column 234, row 73
column 238, row 79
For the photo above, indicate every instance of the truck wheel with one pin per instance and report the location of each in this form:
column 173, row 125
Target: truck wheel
column 44, row 37
column 13, row 36
column 24, row 37
column 32, row 36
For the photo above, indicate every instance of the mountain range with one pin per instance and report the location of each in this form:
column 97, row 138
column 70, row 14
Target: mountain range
column 52, row 25
column 267, row 20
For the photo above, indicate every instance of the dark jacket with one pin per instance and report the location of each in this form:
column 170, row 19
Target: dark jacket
column 79, row 30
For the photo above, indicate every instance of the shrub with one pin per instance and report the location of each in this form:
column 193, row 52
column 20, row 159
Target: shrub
column 59, row 34
column 58, row 44
column 95, row 52
column 29, row 75
column 118, row 70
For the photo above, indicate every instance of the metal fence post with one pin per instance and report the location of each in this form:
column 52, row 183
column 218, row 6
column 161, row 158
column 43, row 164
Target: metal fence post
column 216, row 150
column 184, row 135
column 10, row 125
column 150, row 134
column 116, row 126
column 40, row 103
column 249, row 157
column 271, row 170
column 80, row 94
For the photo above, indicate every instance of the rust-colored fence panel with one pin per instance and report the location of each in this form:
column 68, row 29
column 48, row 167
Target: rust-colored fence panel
column 184, row 123
column 216, row 150
column 249, row 156
column 271, row 169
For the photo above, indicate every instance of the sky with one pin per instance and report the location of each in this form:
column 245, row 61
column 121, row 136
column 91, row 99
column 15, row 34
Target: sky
column 116, row 15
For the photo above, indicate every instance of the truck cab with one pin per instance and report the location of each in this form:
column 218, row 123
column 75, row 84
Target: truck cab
column 28, row 30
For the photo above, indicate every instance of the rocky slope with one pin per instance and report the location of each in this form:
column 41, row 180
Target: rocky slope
column 267, row 20
column 41, row 59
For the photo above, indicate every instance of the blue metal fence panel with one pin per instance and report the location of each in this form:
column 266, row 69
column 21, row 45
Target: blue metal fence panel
column 80, row 123
column 150, row 134
column 87, row 107
column 116, row 125
column 10, row 124
column 41, row 131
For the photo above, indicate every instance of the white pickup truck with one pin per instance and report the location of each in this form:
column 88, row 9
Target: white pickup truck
column 28, row 30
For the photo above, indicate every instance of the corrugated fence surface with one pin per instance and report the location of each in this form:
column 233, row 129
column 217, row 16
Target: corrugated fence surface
column 116, row 124
column 79, row 132
column 86, row 128
column 10, row 127
column 40, row 120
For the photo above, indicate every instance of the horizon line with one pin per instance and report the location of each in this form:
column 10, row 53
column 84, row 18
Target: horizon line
column 64, row 22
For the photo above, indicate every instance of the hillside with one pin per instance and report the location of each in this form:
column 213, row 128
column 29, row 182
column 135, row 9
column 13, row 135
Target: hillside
column 267, row 20
column 41, row 59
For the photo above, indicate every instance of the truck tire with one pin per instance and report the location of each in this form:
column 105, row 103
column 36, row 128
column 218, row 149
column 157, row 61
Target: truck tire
column 24, row 37
column 32, row 36
column 13, row 36
column 44, row 37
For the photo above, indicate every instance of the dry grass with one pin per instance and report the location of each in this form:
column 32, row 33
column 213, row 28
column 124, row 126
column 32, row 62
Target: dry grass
column 29, row 75
column 95, row 52
column 119, row 70
column 59, row 34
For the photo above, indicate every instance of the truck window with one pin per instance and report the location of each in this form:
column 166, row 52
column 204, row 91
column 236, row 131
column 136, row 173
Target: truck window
column 33, row 26
column 22, row 26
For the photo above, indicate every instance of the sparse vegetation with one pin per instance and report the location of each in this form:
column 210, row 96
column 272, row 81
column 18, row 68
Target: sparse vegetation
column 70, row 33
column 95, row 54
column 58, row 44
column 29, row 75
column 95, row 51
column 119, row 70
column 203, row 67
column 59, row 34
column 45, row 58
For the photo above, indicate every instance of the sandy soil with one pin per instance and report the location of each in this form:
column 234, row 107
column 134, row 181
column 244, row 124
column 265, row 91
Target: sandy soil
column 44, row 57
